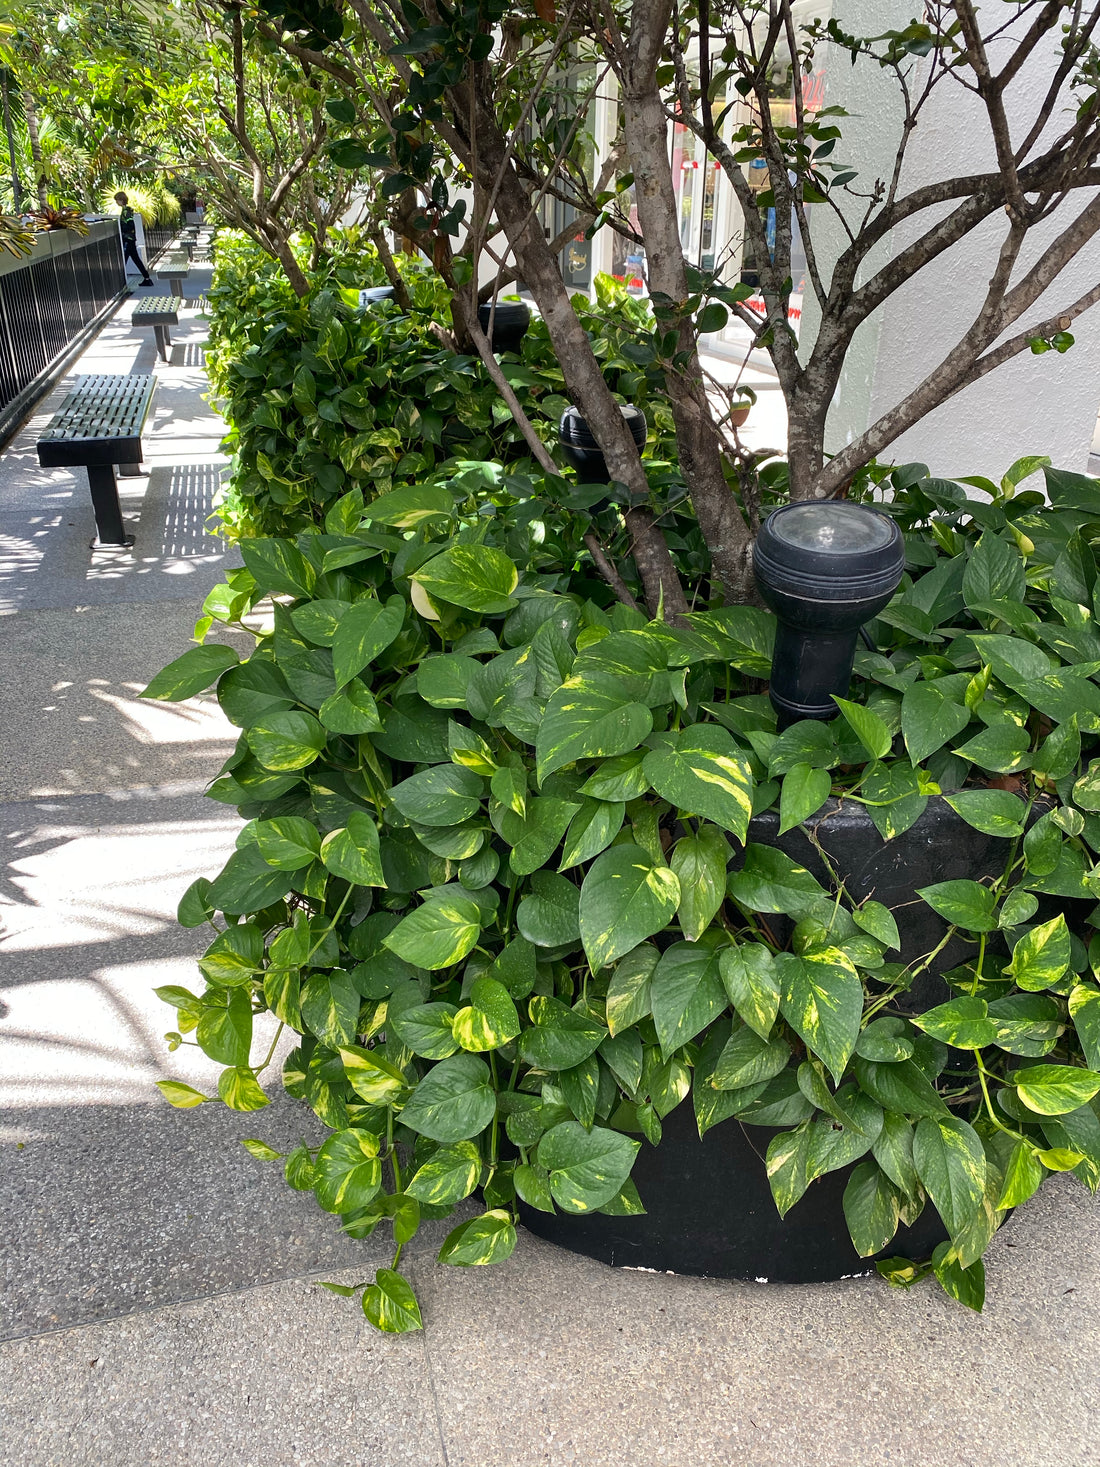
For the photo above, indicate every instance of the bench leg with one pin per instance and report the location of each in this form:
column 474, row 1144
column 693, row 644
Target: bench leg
column 164, row 341
column 108, row 512
column 177, row 286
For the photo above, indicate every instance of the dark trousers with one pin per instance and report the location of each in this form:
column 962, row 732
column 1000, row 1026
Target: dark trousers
column 130, row 252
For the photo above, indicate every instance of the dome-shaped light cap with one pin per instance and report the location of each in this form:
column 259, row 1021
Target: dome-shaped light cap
column 573, row 430
column 829, row 551
column 375, row 293
column 505, row 323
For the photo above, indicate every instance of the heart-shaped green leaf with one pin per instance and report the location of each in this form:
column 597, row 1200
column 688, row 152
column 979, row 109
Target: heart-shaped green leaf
column 390, row 1304
column 438, row 933
column 490, row 1018
column 192, row 672
column 453, row 1102
column 347, row 1171
column 699, row 862
column 625, row 898
column 822, row 1000
column 490, row 1238
column 286, row 741
column 587, row 1168
column 1042, row 956
column 589, row 717
column 364, row 631
column 705, row 773
column 476, row 577
column 371, row 1075
column 448, row 1176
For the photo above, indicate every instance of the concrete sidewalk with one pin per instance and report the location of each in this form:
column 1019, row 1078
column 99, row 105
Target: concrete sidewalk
column 159, row 1303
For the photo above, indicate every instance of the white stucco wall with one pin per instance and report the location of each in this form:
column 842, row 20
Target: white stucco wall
column 870, row 133
column 1045, row 404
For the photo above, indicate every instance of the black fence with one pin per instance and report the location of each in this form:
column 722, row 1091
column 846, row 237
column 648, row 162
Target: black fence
column 157, row 239
column 46, row 303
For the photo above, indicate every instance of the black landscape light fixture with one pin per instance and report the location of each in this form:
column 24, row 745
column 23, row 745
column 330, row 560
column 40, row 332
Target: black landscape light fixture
column 505, row 324
column 824, row 569
column 579, row 446
column 375, row 293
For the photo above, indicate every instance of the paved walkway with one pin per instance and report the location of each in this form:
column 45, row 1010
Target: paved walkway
column 158, row 1299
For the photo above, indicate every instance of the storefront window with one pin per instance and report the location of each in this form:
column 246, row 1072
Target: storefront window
column 572, row 92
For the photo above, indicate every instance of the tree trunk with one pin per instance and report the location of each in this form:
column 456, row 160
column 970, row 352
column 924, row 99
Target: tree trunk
column 805, row 447
column 385, row 256
column 31, row 117
column 16, row 184
column 280, row 248
column 728, row 536
column 582, row 371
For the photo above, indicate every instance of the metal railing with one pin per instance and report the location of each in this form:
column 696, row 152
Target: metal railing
column 48, row 303
column 157, row 238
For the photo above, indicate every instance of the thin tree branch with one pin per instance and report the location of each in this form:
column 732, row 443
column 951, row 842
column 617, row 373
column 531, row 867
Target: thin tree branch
column 608, row 571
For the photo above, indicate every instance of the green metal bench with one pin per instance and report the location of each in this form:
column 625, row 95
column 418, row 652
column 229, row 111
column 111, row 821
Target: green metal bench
column 99, row 425
column 174, row 268
column 159, row 312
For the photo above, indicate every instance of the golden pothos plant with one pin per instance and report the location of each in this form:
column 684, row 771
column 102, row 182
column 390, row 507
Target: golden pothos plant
column 499, row 872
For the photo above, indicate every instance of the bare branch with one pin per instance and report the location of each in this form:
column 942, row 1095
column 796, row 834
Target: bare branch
column 1039, row 329
column 608, row 571
column 992, row 96
column 960, row 365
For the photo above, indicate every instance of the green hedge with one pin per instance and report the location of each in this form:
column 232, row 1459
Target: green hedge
column 322, row 397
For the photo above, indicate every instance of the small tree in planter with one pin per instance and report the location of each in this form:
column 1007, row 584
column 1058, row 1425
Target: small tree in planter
column 524, row 895
column 481, row 86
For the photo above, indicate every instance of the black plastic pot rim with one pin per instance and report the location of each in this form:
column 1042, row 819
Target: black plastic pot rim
column 588, row 443
column 574, row 430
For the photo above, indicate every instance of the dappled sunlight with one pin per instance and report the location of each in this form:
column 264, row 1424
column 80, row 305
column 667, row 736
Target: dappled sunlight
column 188, row 354
column 87, row 931
column 98, row 734
column 99, row 1038
column 90, row 881
column 66, row 883
column 20, row 1135
column 46, row 557
column 195, row 428
column 21, row 554
column 163, row 723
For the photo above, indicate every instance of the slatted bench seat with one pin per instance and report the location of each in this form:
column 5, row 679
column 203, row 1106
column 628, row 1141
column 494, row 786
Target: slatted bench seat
column 159, row 312
column 97, row 426
column 174, row 268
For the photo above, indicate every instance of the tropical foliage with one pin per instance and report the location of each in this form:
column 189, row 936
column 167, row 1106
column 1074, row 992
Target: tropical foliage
column 515, row 863
column 510, row 872
column 482, row 94
column 322, row 396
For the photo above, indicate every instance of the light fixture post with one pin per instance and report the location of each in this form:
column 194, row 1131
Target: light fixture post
column 824, row 569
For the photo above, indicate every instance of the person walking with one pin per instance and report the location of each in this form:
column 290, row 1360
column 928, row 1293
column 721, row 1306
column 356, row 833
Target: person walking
column 129, row 236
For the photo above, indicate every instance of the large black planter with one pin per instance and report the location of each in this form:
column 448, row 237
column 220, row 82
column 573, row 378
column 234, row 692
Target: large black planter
column 710, row 1211
column 709, row 1206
